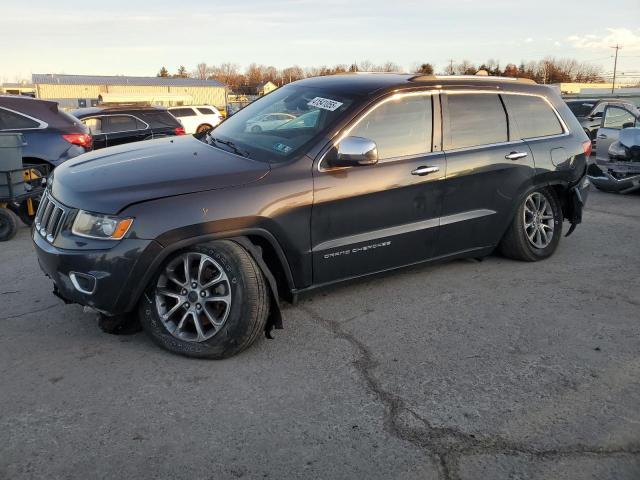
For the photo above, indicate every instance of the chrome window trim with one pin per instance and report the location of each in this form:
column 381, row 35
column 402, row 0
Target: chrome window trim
column 563, row 125
column 345, row 133
column 438, row 91
column 41, row 125
column 99, row 117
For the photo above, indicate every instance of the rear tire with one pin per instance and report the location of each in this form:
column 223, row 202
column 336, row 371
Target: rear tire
column 8, row 224
column 536, row 229
column 240, row 315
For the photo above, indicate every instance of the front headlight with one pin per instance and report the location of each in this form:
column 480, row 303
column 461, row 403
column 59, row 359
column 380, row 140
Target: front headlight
column 102, row 227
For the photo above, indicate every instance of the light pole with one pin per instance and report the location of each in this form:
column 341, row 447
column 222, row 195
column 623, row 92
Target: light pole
column 615, row 67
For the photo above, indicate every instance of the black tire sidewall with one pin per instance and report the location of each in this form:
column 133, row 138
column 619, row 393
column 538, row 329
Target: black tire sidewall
column 8, row 224
column 541, row 253
column 237, row 326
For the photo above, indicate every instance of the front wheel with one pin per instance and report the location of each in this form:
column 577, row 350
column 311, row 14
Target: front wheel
column 210, row 301
column 536, row 229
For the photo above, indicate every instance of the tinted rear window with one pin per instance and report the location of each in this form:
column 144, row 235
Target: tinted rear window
column 533, row 116
column 476, row 119
column 206, row 111
column 14, row 121
column 159, row 119
column 118, row 123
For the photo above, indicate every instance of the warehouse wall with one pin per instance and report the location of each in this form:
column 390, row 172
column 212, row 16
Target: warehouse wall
column 201, row 95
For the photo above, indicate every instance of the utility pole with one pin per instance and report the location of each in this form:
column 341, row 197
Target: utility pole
column 615, row 67
column 451, row 66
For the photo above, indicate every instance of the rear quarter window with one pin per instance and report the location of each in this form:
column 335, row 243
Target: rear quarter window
column 206, row 111
column 14, row 121
column 476, row 119
column 533, row 116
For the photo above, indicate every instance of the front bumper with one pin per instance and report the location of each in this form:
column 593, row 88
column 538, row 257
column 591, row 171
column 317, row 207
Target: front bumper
column 621, row 177
column 116, row 271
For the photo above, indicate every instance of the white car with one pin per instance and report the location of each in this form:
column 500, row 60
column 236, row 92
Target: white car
column 268, row 121
column 197, row 118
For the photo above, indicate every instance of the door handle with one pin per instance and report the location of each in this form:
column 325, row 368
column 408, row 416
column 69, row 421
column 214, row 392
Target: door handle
column 421, row 171
column 515, row 155
column 602, row 135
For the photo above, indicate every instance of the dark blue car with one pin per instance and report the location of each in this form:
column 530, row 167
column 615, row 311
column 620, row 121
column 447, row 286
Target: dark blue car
column 51, row 136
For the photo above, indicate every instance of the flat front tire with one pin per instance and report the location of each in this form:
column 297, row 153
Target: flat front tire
column 209, row 301
column 536, row 229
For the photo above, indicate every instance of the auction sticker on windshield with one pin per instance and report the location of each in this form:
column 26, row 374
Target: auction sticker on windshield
column 324, row 104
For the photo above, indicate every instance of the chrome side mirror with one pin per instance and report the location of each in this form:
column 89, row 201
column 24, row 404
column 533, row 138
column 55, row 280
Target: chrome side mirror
column 356, row 151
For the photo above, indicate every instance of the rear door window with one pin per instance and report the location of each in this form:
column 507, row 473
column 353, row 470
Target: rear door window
column 618, row 118
column 476, row 119
column 14, row 121
column 399, row 127
column 119, row 123
column 205, row 111
column 159, row 119
column 533, row 116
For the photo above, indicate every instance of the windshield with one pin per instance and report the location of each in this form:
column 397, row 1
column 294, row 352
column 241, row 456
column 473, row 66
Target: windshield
column 281, row 124
column 580, row 108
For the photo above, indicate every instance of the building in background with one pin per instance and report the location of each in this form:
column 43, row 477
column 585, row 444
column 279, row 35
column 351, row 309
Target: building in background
column 245, row 94
column 78, row 91
column 22, row 88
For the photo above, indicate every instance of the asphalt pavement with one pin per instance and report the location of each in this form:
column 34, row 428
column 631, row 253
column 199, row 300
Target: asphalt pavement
column 462, row 370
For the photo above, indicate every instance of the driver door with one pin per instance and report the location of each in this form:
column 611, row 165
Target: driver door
column 615, row 118
column 371, row 218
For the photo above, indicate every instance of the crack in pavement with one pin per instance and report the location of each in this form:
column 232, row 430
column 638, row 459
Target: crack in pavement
column 8, row 292
column 30, row 312
column 446, row 445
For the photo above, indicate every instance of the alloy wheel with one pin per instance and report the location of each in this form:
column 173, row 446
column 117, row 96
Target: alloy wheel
column 193, row 297
column 538, row 220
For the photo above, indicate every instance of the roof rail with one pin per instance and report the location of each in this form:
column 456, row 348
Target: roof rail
column 424, row 78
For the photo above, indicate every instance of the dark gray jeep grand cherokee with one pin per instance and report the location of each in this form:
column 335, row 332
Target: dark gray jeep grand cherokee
column 363, row 173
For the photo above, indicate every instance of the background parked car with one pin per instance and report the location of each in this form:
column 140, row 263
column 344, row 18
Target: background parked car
column 51, row 136
column 115, row 125
column 197, row 119
column 269, row 121
column 589, row 111
column 617, row 164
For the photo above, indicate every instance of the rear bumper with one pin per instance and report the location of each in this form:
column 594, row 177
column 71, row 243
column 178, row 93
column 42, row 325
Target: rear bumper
column 624, row 179
column 102, row 279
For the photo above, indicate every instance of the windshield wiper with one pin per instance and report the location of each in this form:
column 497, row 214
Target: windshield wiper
column 228, row 143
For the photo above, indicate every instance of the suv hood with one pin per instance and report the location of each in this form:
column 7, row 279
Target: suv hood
column 108, row 180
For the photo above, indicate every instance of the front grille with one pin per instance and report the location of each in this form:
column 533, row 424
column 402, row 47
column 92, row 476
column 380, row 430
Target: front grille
column 50, row 217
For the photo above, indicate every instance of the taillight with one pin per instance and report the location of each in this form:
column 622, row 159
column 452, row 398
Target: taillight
column 80, row 139
column 587, row 146
column 179, row 131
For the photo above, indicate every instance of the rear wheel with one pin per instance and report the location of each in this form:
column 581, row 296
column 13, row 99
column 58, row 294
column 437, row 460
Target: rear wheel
column 256, row 129
column 536, row 229
column 210, row 301
column 8, row 224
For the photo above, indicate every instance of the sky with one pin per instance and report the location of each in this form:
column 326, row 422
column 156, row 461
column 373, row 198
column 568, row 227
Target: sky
column 118, row 37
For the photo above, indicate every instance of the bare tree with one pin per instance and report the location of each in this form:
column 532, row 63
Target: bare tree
column 202, row 71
